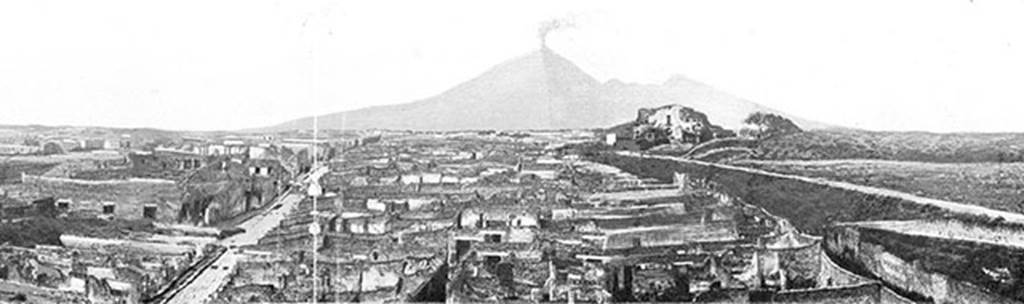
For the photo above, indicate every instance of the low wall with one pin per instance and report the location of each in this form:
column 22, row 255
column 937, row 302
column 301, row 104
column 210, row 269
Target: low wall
column 25, row 178
column 870, row 292
column 670, row 235
column 832, row 275
column 941, row 270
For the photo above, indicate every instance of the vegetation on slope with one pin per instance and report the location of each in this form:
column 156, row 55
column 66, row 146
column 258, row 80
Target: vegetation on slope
column 722, row 143
column 769, row 125
column 905, row 146
column 994, row 185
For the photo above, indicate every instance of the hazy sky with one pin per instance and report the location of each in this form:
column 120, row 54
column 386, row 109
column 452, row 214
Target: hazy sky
column 201, row 65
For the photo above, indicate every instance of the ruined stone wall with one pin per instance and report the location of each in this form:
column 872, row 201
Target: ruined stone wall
column 838, row 285
column 867, row 293
column 395, row 278
column 212, row 202
column 129, row 196
column 69, row 269
column 269, row 272
column 521, row 251
column 802, row 266
column 366, row 225
column 72, row 168
column 888, row 296
column 226, row 189
column 430, row 225
column 163, row 165
column 294, row 238
column 28, row 267
column 849, row 247
column 520, row 235
column 834, row 275
column 147, row 271
column 675, row 235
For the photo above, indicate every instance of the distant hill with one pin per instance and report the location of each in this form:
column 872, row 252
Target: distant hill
column 541, row 90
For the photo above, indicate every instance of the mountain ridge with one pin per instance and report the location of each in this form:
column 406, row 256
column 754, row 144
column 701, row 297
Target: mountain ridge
column 540, row 90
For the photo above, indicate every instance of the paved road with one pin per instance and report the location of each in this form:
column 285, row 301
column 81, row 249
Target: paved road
column 952, row 206
column 213, row 278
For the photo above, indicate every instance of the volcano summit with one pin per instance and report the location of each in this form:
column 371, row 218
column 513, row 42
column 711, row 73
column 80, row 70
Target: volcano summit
column 540, row 90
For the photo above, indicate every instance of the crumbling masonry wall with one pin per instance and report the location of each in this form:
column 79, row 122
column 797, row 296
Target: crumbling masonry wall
column 129, row 196
column 847, row 244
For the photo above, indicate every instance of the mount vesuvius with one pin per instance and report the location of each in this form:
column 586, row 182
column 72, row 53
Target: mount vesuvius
column 541, row 90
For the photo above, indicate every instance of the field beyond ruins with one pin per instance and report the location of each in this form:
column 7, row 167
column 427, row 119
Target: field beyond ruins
column 994, row 185
column 903, row 146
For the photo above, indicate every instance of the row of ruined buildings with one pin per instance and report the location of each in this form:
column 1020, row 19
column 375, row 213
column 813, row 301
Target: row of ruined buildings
column 387, row 217
column 644, row 241
column 457, row 220
column 129, row 225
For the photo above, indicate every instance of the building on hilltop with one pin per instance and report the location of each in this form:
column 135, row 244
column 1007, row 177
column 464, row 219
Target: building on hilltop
column 674, row 124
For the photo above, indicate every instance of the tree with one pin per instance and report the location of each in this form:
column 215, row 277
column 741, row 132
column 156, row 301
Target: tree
column 770, row 124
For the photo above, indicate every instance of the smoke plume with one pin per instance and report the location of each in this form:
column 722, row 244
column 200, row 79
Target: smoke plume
column 552, row 25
